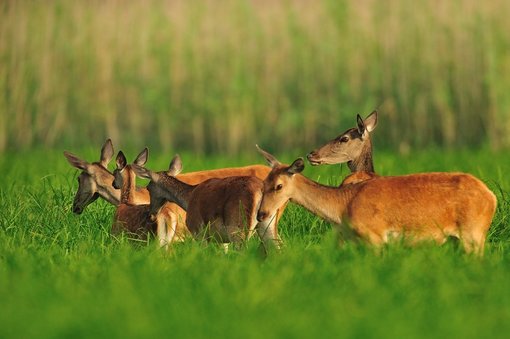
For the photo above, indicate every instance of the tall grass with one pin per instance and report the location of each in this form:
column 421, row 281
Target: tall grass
column 219, row 76
column 63, row 275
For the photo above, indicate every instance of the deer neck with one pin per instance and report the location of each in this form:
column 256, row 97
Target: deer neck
column 127, row 191
column 108, row 192
column 177, row 191
column 329, row 203
column 364, row 161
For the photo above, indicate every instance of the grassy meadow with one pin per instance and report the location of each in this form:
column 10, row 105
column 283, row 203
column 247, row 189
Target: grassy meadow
column 209, row 79
column 63, row 275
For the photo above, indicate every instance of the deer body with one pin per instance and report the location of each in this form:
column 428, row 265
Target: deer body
column 416, row 207
column 224, row 209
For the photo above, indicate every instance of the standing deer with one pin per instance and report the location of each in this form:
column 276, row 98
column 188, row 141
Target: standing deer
column 96, row 181
column 425, row 206
column 353, row 147
column 223, row 209
column 135, row 219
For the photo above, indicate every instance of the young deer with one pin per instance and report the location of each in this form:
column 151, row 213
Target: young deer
column 136, row 219
column 354, row 147
column 224, row 209
column 96, row 181
column 426, row 206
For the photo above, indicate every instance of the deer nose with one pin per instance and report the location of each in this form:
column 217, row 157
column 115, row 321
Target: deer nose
column 77, row 210
column 261, row 215
column 310, row 155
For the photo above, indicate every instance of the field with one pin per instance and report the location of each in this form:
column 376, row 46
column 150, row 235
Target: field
column 63, row 275
column 210, row 79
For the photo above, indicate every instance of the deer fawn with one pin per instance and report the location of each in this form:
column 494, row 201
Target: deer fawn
column 224, row 209
column 96, row 181
column 354, row 147
column 414, row 207
column 135, row 219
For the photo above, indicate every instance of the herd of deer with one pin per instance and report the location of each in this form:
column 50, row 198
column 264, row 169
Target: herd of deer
column 229, row 205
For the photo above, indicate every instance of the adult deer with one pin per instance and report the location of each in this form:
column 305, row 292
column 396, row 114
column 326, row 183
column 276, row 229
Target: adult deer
column 223, row 209
column 354, row 147
column 96, row 181
column 134, row 219
column 426, row 206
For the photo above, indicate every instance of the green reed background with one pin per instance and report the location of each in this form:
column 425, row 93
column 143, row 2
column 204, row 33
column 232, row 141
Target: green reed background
column 218, row 76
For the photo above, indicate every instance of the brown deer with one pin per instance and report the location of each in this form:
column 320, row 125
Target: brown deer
column 134, row 219
column 223, row 209
column 96, row 181
column 354, row 147
column 415, row 207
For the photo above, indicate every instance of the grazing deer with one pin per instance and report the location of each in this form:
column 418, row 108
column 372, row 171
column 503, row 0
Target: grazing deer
column 96, row 181
column 223, row 209
column 136, row 219
column 426, row 206
column 354, row 147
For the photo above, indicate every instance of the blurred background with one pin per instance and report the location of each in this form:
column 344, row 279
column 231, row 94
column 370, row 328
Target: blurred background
column 220, row 76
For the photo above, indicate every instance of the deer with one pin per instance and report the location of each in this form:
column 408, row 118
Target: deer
column 96, row 180
column 221, row 209
column 354, row 147
column 415, row 207
column 135, row 219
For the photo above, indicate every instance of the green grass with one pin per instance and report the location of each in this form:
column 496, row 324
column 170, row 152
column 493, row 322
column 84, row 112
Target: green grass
column 63, row 275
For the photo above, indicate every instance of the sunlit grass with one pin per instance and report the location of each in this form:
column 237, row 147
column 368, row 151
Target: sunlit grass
column 63, row 275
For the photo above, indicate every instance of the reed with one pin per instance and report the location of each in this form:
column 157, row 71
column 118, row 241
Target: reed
column 212, row 76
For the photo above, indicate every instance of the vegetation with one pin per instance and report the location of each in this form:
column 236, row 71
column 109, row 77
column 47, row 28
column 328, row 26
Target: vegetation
column 214, row 76
column 63, row 275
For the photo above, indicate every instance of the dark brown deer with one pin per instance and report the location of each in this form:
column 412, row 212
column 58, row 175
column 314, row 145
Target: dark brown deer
column 223, row 209
column 415, row 207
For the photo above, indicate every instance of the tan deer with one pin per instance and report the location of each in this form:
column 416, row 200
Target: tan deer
column 134, row 219
column 415, row 207
column 354, row 147
column 96, row 181
column 223, row 209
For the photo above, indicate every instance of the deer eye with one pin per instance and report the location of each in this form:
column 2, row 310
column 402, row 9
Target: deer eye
column 278, row 187
column 344, row 138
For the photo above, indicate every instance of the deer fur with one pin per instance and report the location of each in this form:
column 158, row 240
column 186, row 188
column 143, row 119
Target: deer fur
column 415, row 207
column 223, row 209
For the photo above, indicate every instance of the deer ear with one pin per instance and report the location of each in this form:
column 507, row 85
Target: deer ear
column 371, row 121
column 271, row 160
column 141, row 159
column 75, row 161
column 145, row 173
column 361, row 125
column 175, row 166
column 297, row 166
column 106, row 153
column 121, row 160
